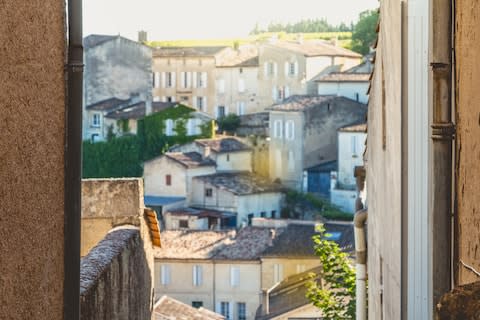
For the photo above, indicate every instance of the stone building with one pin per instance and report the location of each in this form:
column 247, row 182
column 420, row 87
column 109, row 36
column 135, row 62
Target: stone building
column 303, row 134
column 115, row 67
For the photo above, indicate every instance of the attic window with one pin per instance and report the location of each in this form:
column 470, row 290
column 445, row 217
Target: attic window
column 208, row 192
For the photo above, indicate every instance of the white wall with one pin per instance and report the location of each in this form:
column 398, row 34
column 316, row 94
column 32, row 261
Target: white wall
column 351, row 146
column 172, row 222
column 154, row 173
column 257, row 203
column 345, row 89
column 344, row 199
column 234, row 161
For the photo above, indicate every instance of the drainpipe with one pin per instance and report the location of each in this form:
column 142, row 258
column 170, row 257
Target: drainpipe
column 442, row 135
column 73, row 162
column 361, row 254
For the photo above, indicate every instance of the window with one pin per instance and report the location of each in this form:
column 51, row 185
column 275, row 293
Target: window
column 250, row 218
column 208, row 192
column 199, row 103
column 170, row 99
column 220, row 112
column 277, row 129
column 168, row 180
column 357, row 97
column 263, row 214
column 184, row 98
column 228, row 158
column 197, row 275
column 277, row 272
column 242, row 311
column 270, row 68
column 95, row 137
column 291, row 68
column 183, row 224
column 169, row 127
column 241, row 85
column 96, row 120
column 170, row 79
column 234, row 276
column 289, row 130
column 353, row 142
column 240, row 108
column 241, row 70
column 225, row 309
column 274, row 213
column 185, row 79
column 165, row 276
column 221, row 85
column 200, row 79
column 197, row 304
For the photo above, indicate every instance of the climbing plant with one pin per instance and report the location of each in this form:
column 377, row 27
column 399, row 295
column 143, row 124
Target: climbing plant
column 336, row 297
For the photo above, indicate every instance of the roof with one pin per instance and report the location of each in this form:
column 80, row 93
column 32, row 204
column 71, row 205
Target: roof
column 107, row 104
column 200, row 212
column 290, row 294
column 187, row 51
column 344, row 77
column 138, row 110
column 193, row 244
column 240, row 183
column 190, row 159
column 244, row 56
column 224, row 144
column 249, row 244
column 301, row 102
column 315, row 48
column 296, row 240
column 153, row 226
column 161, row 201
column 168, row 308
column 360, row 127
column 96, row 39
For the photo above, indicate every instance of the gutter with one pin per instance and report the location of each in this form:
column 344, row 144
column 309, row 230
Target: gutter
column 361, row 264
column 73, row 162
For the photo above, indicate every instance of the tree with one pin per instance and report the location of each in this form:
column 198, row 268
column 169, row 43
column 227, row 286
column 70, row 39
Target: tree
column 228, row 123
column 364, row 31
column 336, row 297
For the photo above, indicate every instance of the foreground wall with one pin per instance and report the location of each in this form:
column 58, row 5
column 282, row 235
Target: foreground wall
column 32, row 117
column 468, row 133
column 384, row 170
column 115, row 279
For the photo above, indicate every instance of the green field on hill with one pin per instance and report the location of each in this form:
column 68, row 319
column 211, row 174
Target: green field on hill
column 344, row 39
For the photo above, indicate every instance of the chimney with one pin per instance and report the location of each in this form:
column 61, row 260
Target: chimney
column 142, row 36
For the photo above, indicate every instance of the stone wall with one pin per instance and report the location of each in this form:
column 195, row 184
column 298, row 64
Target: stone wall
column 32, row 117
column 468, row 149
column 115, row 278
column 108, row 203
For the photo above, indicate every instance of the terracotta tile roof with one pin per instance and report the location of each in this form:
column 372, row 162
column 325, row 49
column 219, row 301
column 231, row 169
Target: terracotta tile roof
column 344, row 77
column 153, row 226
column 315, row 48
column 242, row 183
column 223, row 144
column 301, row 102
column 190, row 159
column 249, row 244
column 107, row 104
column 137, row 110
column 296, row 240
column 168, row 308
column 187, row 51
column 360, row 127
column 192, row 244
column 245, row 56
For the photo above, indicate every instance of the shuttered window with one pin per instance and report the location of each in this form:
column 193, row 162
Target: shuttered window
column 197, row 275
column 234, row 276
column 165, row 275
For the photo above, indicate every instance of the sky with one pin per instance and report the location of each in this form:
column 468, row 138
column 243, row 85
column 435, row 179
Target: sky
column 209, row 19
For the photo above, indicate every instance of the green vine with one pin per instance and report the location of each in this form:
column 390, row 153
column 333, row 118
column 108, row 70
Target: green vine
column 336, row 298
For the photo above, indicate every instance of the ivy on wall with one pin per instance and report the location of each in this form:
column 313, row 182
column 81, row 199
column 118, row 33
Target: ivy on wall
column 124, row 156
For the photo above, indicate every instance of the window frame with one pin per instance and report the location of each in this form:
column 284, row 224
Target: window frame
column 241, row 311
column 168, row 179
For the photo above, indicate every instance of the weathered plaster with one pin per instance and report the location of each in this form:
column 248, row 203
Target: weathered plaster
column 32, row 118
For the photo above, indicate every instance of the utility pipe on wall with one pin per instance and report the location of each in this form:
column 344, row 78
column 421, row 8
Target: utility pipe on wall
column 361, row 264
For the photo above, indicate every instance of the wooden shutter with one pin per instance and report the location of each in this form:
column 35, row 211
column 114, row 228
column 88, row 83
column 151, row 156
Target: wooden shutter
column 287, row 65
column 195, row 80
column 296, row 67
column 163, row 83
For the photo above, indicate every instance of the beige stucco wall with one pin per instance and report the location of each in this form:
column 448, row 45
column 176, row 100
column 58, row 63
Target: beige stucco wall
column 384, row 171
column 234, row 161
column 306, row 312
column 216, row 286
column 271, row 53
column 107, row 203
column 231, row 95
column 32, row 117
column 290, row 267
column 187, row 64
column 220, row 199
